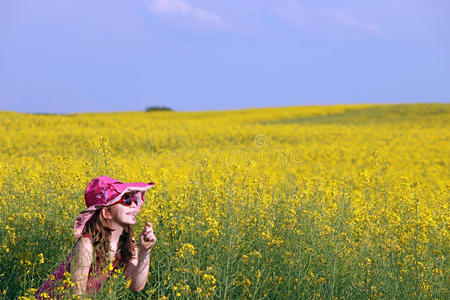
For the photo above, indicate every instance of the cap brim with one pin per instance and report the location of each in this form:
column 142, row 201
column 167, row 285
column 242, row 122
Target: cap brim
column 138, row 187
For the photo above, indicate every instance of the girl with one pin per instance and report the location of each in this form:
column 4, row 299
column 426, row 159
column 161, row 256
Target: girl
column 105, row 240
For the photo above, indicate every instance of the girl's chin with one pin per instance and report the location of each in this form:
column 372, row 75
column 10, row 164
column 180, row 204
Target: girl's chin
column 131, row 222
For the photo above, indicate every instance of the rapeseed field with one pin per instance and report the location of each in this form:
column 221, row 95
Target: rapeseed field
column 313, row 202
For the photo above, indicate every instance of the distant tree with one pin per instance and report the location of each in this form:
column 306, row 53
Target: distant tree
column 158, row 108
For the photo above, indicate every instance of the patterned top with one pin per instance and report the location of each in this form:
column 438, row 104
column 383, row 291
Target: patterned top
column 94, row 282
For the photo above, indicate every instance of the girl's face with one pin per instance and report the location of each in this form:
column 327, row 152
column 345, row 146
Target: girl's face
column 123, row 215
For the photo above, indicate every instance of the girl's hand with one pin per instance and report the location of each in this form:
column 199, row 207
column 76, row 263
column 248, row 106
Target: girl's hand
column 147, row 238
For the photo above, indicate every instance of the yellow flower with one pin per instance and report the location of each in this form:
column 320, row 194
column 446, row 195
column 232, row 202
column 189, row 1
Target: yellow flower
column 41, row 258
column 128, row 283
column 209, row 279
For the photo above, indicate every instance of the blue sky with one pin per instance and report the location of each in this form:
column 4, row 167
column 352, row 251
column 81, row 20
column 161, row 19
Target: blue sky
column 61, row 56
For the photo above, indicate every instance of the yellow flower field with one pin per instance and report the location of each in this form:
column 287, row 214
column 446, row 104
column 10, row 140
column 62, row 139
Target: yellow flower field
column 315, row 202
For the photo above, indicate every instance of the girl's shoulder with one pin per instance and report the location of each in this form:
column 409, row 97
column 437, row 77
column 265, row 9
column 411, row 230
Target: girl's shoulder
column 84, row 244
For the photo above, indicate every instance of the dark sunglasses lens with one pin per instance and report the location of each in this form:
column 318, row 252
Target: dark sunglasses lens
column 128, row 200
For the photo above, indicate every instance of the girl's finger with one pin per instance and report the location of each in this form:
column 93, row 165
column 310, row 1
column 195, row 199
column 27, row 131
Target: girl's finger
column 148, row 226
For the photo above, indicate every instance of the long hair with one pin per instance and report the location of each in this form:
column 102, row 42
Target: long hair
column 100, row 231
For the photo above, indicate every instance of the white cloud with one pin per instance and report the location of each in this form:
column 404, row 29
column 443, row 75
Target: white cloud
column 319, row 17
column 180, row 7
column 349, row 21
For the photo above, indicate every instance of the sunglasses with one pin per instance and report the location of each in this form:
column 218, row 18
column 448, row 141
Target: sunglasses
column 127, row 200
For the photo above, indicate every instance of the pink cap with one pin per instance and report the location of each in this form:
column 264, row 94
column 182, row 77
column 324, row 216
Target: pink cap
column 104, row 191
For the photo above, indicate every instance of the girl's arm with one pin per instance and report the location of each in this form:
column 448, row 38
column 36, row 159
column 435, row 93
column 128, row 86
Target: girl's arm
column 80, row 263
column 137, row 268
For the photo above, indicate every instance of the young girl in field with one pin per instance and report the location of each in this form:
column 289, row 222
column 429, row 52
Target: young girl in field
column 105, row 240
